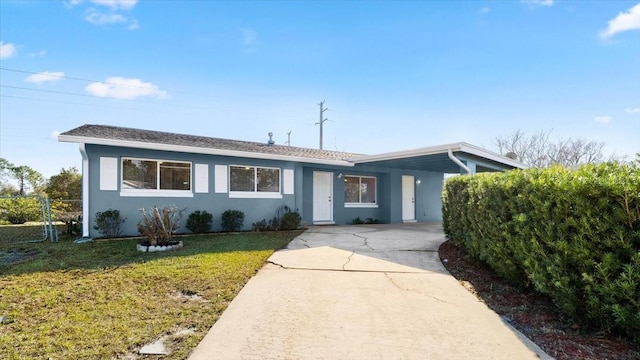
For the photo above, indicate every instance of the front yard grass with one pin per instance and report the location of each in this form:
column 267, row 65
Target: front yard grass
column 105, row 300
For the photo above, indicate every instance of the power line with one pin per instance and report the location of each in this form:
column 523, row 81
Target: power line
column 73, row 94
column 71, row 78
column 64, row 102
column 92, row 81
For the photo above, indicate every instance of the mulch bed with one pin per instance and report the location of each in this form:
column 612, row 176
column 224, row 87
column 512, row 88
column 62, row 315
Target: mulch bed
column 533, row 314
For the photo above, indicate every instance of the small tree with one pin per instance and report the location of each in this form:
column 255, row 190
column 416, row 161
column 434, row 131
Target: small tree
column 67, row 185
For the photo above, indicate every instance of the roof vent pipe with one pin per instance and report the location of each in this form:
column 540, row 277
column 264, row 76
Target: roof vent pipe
column 270, row 142
column 458, row 162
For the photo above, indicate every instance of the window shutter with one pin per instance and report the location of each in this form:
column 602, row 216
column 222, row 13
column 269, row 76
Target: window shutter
column 108, row 173
column 221, row 178
column 202, row 178
column 288, row 182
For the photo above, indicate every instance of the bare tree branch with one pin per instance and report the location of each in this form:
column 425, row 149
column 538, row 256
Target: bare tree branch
column 538, row 150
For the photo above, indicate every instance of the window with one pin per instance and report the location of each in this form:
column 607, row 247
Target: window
column 253, row 180
column 360, row 191
column 138, row 174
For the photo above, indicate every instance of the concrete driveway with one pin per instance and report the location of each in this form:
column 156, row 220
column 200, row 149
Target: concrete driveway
column 360, row 292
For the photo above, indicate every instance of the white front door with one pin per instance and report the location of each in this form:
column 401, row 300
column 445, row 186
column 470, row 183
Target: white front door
column 322, row 197
column 408, row 198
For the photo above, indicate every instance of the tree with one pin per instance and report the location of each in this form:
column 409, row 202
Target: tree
column 4, row 168
column 28, row 179
column 67, row 185
column 538, row 150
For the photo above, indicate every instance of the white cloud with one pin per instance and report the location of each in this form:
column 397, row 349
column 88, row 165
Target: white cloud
column 538, row 2
column 602, row 119
column 123, row 88
column 485, row 10
column 40, row 53
column 116, row 4
column 7, row 50
column 633, row 111
column 625, row 21
column 44, row 77
column 98, row 18
column 71, row 3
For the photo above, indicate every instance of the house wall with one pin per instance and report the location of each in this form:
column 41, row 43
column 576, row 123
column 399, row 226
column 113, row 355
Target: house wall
column 215, row 203
column 389, row 191
column 428, row 194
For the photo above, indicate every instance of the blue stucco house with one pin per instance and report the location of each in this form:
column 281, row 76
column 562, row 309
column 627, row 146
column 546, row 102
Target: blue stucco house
column 128, row 169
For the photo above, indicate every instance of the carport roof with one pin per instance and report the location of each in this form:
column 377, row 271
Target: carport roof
column 433, row 158
column 436, row 158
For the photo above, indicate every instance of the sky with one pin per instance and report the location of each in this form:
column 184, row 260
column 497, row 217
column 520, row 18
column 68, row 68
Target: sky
column 394, row 75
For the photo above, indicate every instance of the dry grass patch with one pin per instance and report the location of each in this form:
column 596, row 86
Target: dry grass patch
column 102, row 300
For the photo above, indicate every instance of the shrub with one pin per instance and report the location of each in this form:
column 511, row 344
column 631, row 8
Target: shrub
column 372, row 221
column 285, row 219
column 199, row 221
column 20, row 210
column 109, row 223
column 232, row 220
column 357, row 221
column 290, row 221
column 259, row 226
column 573, row 235
column 158, row 227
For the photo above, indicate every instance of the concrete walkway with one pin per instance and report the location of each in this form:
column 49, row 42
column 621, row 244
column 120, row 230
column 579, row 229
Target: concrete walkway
column 360, row 292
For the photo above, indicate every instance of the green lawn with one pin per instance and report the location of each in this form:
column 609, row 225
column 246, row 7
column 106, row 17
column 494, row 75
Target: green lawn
column 104, row 299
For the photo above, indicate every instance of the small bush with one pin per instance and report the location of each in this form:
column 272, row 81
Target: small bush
column 20, row 210
column 285, row 219
column 199, row 221
column 260, row 226
column 357, row 221
column 109, row 223
column 232, row 220
column 290, row 221
column 159, row 227
column 372, row 221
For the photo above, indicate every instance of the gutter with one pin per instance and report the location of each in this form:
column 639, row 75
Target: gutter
column 457, row 161
column 85, row 192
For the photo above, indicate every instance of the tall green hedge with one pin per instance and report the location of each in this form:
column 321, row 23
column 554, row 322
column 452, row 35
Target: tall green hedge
column 573, row 235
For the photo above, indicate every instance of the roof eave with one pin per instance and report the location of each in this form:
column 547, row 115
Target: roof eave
column 431, row 150
column 440, row 149
column 197, row 150
column 478, row 151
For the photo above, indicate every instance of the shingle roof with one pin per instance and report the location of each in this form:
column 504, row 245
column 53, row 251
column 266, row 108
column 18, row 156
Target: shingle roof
column 166, row 138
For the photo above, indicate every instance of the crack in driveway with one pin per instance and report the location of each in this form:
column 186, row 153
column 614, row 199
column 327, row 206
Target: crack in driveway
column 304, row 242
column 348, row 260
column 343, row 269
column 386, row 273
column 364, row 239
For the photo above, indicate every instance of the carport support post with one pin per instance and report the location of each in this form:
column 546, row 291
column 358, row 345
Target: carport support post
column 472, row 167
column 395, row 190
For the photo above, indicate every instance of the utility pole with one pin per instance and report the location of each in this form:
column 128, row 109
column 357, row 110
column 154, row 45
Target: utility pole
column 289, row 138
column 322, row 120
